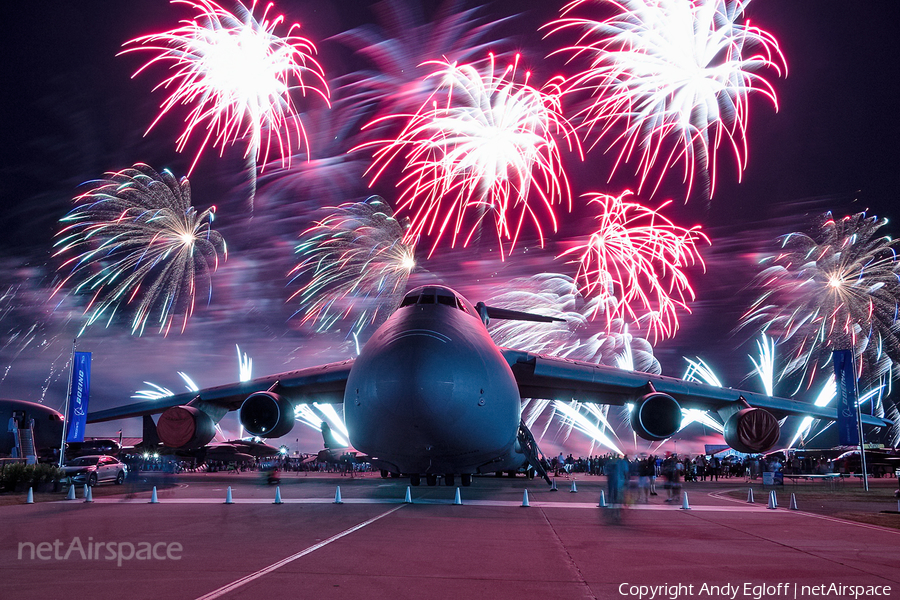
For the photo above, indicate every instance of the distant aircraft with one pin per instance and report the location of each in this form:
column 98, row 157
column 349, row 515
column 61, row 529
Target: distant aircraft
column 431, row 394
column 48, row 426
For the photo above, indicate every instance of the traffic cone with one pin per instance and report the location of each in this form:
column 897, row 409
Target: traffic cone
column 457, row 499
column 337, row 496
column 86, row 492
column 750, row 496
column 525, row 499
column 30, row 498
column 228, row 498
column 684, row 502
column 773, row 501
column 71, row 495
column 278, row 499
column 154, row 499
column 89, row 495
column 602, row 500
column 793, row 505
column 408, row 498
column 553, row 487
column 574, row 489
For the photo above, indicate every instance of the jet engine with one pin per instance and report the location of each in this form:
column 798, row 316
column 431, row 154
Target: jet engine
column 656, row 416
column 266, row 414
column 752, row 430
column 185, row 427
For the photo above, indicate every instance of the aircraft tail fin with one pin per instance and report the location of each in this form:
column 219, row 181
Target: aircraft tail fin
column 492, row 312
column 151, row 438
column 328, row 437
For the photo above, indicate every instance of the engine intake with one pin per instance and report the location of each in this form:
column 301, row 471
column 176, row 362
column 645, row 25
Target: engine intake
column 185, row 427
column 752, row 430
column 656, row 416
column 266, row 414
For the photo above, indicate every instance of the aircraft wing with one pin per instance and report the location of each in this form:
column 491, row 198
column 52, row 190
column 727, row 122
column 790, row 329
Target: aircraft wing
column 324, row 384
column 555, row 378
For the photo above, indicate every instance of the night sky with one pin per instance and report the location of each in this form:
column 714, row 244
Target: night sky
column 73, row 112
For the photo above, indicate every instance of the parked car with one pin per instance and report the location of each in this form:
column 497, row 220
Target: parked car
column 95, row 469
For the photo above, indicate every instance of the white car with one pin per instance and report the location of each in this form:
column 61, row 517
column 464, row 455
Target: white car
column 95, row 469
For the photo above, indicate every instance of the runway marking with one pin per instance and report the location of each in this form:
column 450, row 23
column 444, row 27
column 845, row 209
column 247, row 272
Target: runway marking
column 265, row 571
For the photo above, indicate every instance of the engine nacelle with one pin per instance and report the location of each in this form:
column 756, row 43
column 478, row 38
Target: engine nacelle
column 656, row 416
column 266, row 414
column 185, row 427
column 752, row 430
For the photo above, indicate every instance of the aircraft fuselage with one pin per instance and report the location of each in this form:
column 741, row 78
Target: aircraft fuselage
column 430, row 393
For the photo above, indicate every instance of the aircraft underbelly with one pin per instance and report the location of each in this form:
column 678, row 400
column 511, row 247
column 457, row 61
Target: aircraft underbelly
column 429, row 401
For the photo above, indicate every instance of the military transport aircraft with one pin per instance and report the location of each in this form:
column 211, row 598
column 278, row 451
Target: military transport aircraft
column 431, row 394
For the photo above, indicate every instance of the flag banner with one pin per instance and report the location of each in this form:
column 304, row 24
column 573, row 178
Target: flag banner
column 79, row 396
column 845, row 377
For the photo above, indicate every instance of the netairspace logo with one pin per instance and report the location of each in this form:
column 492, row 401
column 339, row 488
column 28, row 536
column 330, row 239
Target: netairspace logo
column 117, row 551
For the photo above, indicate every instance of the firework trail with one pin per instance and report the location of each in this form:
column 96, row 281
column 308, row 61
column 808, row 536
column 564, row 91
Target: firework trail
column 482, row 144
column 135, row 238
column 632, row 265
column 402, row 42
column 578, row 338
column 357, row 262
column 835, row 288
column 670, row 80
column 238, row 75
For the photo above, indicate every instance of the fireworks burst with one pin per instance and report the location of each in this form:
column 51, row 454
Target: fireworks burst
column 482, row 144
column 557, row 295
column 836, row 288
column 358, row 262
column 135, row 238
column 670, row 80
column 238, row 75
column 632, row 265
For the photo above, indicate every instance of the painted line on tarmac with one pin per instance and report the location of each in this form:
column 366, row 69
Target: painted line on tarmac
column 265, row 571
column 437, row 502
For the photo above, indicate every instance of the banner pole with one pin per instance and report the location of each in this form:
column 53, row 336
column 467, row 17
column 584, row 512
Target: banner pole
column 62, row 444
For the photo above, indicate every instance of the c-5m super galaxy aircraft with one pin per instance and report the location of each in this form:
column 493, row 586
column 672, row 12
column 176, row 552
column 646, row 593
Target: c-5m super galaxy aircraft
column 431, row 394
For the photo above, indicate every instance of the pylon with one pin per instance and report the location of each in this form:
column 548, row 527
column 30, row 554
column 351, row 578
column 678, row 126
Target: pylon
column 602, row 500
column 773, row 501
column 793, row 505
column 684, row 502
column 337, row 496
column 457, row 499
column 750, row 496
column 278, row 499
column 154, row 499
column 71, row 495
column 30, row 498
column 228, row 498
column 408, row 498
column 525, row 499
column 89, row 495
column 553, row 487
column 574, row 489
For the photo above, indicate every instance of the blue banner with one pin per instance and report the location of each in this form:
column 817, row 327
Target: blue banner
column 845, row 377
column 79, row 396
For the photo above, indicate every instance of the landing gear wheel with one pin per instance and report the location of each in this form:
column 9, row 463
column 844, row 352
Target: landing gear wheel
column 449, row 479
column 414, row 480
column 431, row 480
column 466, row 479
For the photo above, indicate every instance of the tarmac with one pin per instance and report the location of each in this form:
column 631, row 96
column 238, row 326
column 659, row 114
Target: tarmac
column 374, row 544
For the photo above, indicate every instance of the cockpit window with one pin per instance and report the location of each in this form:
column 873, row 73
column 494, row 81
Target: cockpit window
column 434, row 296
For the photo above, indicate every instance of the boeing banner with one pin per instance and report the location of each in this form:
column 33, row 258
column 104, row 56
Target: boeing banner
column 79, row 396
column 845, row 377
